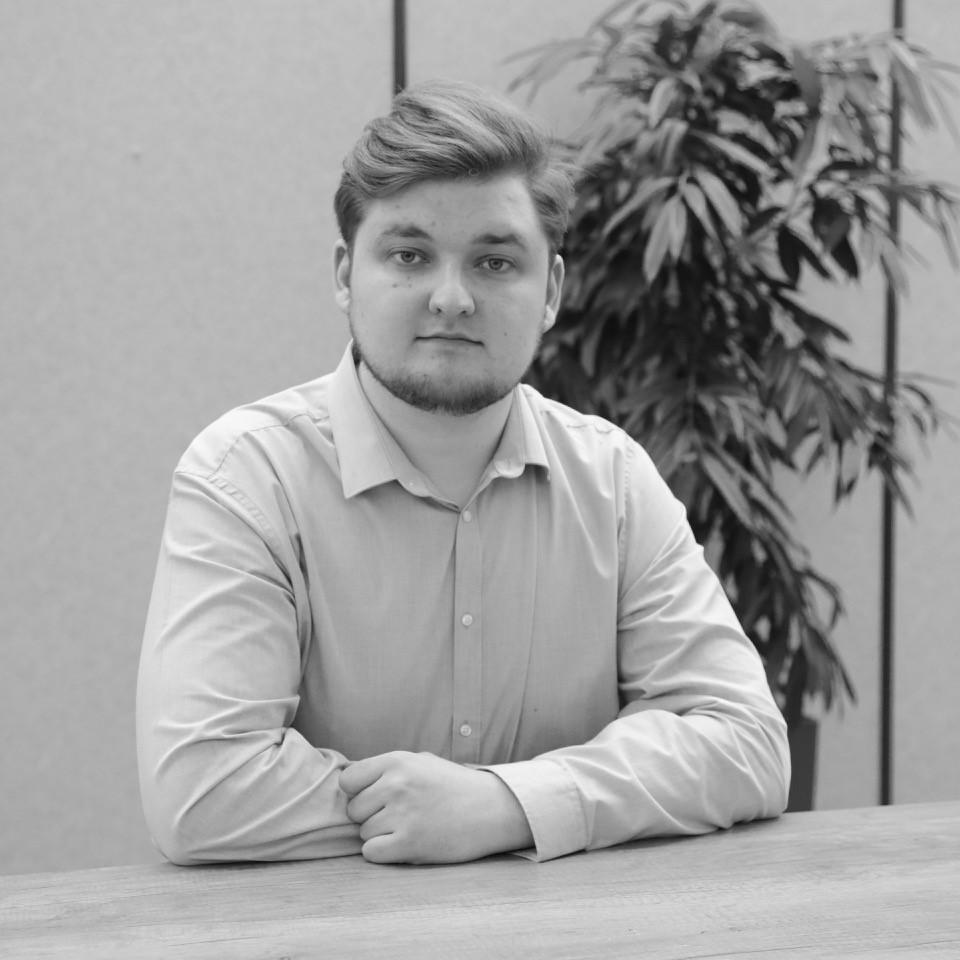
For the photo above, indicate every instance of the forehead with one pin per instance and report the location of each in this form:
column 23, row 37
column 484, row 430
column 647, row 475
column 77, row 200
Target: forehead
column 463, row 209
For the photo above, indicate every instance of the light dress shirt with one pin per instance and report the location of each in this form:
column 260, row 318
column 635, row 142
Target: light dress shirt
column 317, row 601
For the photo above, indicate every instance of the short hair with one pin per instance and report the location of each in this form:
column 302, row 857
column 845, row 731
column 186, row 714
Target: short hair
column 445, row 130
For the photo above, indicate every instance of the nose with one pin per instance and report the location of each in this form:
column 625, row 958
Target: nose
column 450, row 296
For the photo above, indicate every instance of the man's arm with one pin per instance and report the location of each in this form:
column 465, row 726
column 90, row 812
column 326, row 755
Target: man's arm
column 223, row 776
column 699, row 742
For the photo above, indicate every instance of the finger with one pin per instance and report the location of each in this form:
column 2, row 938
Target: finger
column 361, row 774
column 379, row 825
column 383, row 849
column 366, row 803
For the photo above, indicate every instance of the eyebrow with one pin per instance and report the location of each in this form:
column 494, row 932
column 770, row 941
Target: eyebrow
column 501, row 239
column 407, row 231
column 410, row 231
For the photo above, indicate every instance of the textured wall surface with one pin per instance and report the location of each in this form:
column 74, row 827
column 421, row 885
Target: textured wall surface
column 166, row 232
column 166, row 172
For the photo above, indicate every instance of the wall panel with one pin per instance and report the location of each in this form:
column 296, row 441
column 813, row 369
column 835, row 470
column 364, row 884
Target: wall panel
column 166, row 177
column 927, row 733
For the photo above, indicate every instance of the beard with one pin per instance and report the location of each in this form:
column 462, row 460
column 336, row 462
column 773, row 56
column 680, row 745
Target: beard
column 455, row 398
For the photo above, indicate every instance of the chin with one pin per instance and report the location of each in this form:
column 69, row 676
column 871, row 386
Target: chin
column 456, row 397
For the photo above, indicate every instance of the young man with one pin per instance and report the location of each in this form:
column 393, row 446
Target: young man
column 415, row 610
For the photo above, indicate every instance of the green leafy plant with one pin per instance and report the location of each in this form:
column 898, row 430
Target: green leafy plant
column 720, row 166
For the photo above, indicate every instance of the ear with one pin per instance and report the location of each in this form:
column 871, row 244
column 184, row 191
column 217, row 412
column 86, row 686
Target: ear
column 341, row 275
column 554, row 291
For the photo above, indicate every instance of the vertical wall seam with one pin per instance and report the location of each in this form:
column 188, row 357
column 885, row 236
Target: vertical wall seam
column 888, row 506
column 399, row 46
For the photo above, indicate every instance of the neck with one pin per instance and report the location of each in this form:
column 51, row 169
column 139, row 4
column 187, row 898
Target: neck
column 452, row 451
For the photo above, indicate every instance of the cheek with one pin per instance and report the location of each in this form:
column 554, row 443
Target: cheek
column 383, row 295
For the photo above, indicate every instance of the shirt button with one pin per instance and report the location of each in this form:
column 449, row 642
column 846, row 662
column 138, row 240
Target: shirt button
column 466, row 619
column 465, row 730
column 467, row 516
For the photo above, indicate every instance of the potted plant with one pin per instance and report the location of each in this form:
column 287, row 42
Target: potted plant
column 719, row 166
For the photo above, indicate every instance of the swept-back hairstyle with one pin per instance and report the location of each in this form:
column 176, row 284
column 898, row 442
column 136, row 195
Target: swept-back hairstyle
column 445, row 130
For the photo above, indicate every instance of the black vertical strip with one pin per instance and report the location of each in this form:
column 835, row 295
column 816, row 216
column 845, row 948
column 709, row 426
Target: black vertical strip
column 399, row 45
column 888, row 517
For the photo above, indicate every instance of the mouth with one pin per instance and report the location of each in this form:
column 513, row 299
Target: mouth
column 449, row 338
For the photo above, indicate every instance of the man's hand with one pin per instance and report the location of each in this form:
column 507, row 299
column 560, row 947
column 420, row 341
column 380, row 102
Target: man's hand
column 419, row 808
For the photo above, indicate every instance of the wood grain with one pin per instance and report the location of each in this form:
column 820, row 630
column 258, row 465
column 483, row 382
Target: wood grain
column 879, row 882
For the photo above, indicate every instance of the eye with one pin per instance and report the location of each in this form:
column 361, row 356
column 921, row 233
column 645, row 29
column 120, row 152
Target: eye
column 497, row 264
column 407, row 257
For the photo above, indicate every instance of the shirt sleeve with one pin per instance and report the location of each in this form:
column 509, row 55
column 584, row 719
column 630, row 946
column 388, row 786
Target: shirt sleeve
column 223, row 774
column 699, row 742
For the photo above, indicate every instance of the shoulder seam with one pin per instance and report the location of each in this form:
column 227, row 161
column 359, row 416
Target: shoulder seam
column 247, row 432
column 246, row 504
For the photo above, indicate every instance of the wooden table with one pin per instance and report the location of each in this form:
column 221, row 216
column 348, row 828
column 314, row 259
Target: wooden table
column 877, row 882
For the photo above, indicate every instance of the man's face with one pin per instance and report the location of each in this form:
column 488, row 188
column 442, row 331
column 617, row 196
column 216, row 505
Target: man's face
column 448, row 289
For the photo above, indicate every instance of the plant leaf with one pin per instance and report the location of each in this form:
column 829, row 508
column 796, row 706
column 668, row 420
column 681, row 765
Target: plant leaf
column 661, row 99
column 808, row 79
column 697, row 204
column 678, row 227
column 726, row 485
column 907, row 75
column 658, row 242
column 733, row 151
column 720, row 199
column 846, row 259
column 644, row 195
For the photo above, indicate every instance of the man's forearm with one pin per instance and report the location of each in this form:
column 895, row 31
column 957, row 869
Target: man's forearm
column 222, row 801
column 653, row 774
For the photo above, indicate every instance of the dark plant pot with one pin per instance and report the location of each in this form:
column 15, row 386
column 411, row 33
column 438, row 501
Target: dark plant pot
column 803, row 756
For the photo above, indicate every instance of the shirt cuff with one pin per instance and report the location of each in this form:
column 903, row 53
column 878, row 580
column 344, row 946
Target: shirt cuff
column 550, row 799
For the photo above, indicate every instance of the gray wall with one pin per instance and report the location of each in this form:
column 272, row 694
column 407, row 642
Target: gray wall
column 166, row 173
column 846, row 544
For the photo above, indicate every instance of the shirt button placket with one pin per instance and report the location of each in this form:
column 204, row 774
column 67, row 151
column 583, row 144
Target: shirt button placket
column 467, row 631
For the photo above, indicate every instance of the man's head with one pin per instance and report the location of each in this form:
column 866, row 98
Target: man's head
column 451, row 211
column 445, row 130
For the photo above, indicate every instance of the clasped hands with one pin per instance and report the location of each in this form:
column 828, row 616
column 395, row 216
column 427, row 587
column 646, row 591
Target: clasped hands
column 420, row 808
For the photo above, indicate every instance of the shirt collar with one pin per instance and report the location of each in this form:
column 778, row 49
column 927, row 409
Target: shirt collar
column 521, row 443
column 364, row 462
column 361, row 441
